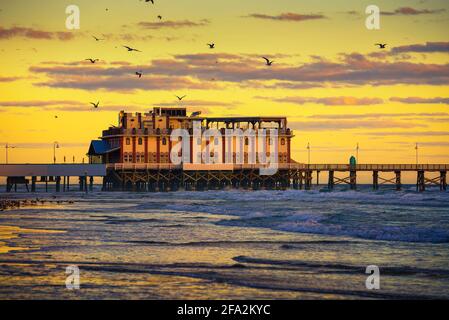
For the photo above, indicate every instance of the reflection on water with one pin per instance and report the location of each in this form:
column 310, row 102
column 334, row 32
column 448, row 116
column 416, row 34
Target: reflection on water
column 212, row 245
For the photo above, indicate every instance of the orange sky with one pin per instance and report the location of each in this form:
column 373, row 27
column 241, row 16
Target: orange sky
column 328, row 77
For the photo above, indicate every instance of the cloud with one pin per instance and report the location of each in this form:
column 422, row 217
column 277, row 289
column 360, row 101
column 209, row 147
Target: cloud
column 206, row 71
column 378, row 115
column 408, row 133
column 311, row 125
column 288, row 16
column 173, row 24
column 30, row 33
column 409, row 11
column 36, row 103
column 9, row 79
column 329, row 101
column 417, row 100
column 199, row 103
column 426, row 48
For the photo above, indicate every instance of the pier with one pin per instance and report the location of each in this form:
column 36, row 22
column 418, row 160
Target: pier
column 166, row 177
column 169, row 177
column 58, row 175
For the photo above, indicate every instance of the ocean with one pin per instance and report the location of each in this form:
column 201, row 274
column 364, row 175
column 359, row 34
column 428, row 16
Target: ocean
column 230, row 244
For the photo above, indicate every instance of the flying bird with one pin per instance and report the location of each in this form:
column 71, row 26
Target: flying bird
column 97, row 39
column 92, row 60
column 139, row 74
column 180, row 98
column 131, row 49
column 268, row 61
column 211, row 45
column 196, row 114
column 95, row 104
column 381, row 45
column 152, row 1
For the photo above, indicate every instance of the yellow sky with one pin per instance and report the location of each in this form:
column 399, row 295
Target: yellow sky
column 328, row 77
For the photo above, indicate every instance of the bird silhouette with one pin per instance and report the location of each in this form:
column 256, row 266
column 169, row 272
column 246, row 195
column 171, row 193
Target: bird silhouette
column 92, row 60
column 381, row 45
column 159, row 17
column 97, row 39
column 152, row 1
column 131, row 49
column 95, row 104
column 139, row 74
column 268, row 61
column 180, row 98
column 211, row 45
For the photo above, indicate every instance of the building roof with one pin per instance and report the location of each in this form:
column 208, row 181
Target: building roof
column 100, row 147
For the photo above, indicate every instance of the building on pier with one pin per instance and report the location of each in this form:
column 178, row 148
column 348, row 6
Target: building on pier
column 145, row 138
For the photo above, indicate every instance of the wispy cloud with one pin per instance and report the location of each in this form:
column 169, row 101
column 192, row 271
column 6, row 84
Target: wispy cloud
column 328, row 101
column 9, row 79
column 31, row 33
column 409, row 11
column 288, row 16
column 428, row 47
column 418, row 100
column 311, row 125
column 173, row 24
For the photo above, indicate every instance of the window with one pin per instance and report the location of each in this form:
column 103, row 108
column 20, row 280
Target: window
column 128, row 141
column 140, row 141
column 283, row 141
column 164, row 141
column 246, row 141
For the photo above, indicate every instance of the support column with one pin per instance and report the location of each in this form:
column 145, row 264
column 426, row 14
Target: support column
column 308, row 180
column 443, row 181
column 63, row 184
column 398, row 180
column 81, row 183
column 91, row 184
column 353, row 180
column 46, row 184
column 318, row 178
column 68, row 183
column 420, row 182
column 33, row 184
column 331, row 182
column 375, row 180
column 58, row 184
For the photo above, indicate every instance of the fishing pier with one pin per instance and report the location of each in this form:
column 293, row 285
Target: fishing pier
column 168, row 177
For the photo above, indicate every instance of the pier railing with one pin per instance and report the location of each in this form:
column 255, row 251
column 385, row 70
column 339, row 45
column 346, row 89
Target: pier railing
column 282, row 166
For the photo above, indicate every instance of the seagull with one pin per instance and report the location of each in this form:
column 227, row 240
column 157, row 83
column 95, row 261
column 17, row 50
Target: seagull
column 131, row 49
column 196, row 114
column 95, row 104
column 180, row 98
column 97, row 39
column 159, row 17
column 152, row 1
column 139, row 74
column 269, row 62
column 381, row 45
column 92, row 60
column 211, row 45
column 56, row 117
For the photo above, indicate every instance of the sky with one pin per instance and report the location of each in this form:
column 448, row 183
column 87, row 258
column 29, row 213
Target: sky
column 328, row 77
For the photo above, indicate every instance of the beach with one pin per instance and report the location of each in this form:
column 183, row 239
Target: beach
column 230, row 244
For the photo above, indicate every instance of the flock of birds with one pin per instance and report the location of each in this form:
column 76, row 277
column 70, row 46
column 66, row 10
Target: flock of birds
column 211, row 46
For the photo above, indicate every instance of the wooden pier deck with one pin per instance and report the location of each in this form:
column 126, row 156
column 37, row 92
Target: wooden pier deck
column 169, row 177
